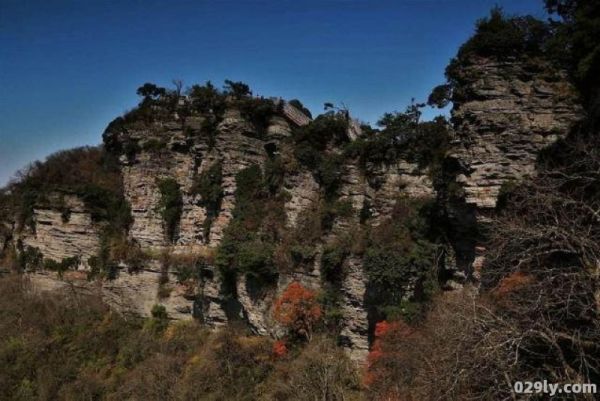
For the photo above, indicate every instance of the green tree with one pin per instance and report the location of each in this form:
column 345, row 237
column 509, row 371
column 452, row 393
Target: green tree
column 170, row 205
column 238, row 90
column 151, row 91
column 207, row 99
column 577, row 44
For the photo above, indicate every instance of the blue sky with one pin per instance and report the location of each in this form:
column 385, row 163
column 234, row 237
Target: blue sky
column 67, row 68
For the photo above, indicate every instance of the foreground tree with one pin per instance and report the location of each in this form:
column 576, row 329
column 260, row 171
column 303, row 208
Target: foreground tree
column 297, row 309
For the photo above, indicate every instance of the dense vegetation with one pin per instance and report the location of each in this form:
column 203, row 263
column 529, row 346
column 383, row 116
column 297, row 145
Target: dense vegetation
column 250, row 239
column 401, row 262
column 206, row 101
column 66, row 347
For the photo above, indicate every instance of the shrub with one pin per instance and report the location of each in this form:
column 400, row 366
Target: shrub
column 207, row 99
column 62, row 266
column 365, row 211
column 329, row 174
column 274, row 174
column 150, row 91
column 321, row 371
column 159, row 320
column 153, row 145
column 255, row 259
column 258, row 111
column 297, row 309
column 208, row 186
column 238, row 90
column 230, row 367
column 331, row 262
column 500, row 36
column 279, row 349
column 187, row 267
column 170, row 205
column 382, row 365
column 400, row 260
column 248, row 245
column 311, row 143
column 30, row 258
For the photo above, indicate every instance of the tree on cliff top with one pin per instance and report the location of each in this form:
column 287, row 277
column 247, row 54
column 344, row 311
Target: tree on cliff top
column 577, row 46
column 151, row 91
column 499, row 37
column 238, row 90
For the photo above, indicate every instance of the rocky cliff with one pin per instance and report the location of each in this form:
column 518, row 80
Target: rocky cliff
column 509, row 111
column 504, row 114
column 63, row 229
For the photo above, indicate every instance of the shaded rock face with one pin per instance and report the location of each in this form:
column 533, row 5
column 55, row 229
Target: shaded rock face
column 63, row 233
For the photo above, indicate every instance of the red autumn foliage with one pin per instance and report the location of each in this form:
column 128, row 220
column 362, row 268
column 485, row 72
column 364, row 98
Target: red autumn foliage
column 298, row 310
column 513, row 282
column 280, row 349
column 383, row 349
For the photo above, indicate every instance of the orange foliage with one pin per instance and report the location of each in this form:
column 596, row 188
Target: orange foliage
column 384, row 332
column 298, row 310
column 280, row 349
column 513, row 282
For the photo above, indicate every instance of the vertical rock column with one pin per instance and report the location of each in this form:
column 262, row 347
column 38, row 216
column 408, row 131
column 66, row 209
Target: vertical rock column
column 508, row 112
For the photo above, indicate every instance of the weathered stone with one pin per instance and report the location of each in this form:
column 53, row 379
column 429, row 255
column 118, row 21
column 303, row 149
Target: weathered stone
column 508, row 117
column 304, row 191
column 355, row 327
column 64, row 233
column 129, row 293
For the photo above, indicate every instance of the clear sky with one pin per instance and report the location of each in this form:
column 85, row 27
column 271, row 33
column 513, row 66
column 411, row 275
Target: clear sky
column 67, row 68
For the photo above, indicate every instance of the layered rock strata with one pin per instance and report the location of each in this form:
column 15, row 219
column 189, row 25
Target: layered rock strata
column 63, row 232
column 504, row 114
column 507, row 113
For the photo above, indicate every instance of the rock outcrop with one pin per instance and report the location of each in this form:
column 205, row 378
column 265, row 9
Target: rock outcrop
column 64, row 232
column 507, row 113
column 504, row 114
column 129, row 293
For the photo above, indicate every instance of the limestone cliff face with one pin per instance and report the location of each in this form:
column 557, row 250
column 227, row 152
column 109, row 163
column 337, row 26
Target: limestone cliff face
column 177, row 150
column 140, row 177
column 504, row 114
column 183, row 154
column 386, row 183
column 65, row 232
column 402, row 179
